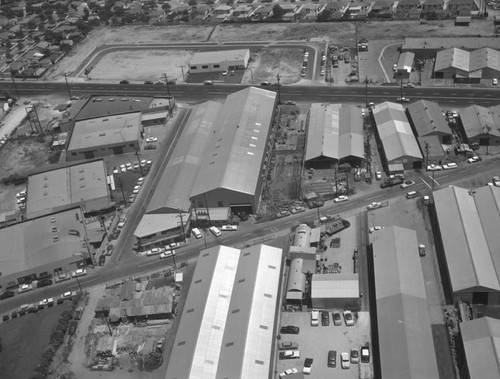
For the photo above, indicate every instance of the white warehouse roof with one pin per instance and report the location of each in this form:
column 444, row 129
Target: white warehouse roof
column 206, row 57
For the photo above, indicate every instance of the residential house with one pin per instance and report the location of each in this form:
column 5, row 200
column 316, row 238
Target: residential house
column 223, row 10
column 242, row 11
column 261, row 12
column 432, row 9
column 461, row 7
column 381, row 9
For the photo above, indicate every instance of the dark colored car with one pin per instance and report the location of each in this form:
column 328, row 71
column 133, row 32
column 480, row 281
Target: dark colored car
column 332, row 358
column 289, row 329
column 6, row 295
column 124, row 82
column 5, row 318
column 325, row 318
column 13, row 315
column 44, row 282
column 337, row 318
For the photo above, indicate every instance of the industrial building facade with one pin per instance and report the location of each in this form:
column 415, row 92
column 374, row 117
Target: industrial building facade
column 473, row 65
column 218, row 61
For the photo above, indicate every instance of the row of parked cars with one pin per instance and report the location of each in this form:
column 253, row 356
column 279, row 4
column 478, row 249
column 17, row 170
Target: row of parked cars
column 136, row 166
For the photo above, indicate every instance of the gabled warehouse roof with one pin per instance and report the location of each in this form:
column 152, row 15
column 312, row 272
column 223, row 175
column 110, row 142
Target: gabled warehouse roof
column 481, row 339
column 151, row 224
column 468, row 256
column 67, row 187
column 234, row 154
column 227, row 326
column 405, row 62
column 335, row 131
column 468, row 61
column 427, row 118
column 395, row 131
column 173, row 190
column 406, row 345
column 478, row 120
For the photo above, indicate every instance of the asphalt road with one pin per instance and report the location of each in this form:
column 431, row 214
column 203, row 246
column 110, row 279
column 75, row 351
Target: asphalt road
column 193, row 93
column 131, row 265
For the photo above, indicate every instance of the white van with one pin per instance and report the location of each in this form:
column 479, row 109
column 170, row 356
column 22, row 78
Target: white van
column 196, row 233
column 314, row 317
column 215, row 231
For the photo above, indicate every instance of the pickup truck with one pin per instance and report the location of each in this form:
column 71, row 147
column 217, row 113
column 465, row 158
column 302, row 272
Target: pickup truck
column 391, row 182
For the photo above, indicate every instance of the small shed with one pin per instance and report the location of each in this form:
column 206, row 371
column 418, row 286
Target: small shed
column 463, row 20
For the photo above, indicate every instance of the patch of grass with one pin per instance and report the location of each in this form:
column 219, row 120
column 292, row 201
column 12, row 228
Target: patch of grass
column 27, row 336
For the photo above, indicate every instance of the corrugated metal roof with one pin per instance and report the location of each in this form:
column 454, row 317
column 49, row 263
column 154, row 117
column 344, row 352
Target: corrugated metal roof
column 405, row 62
column 478, row 120
column 155, row 223
column 335, row 131
column 452, row 58
column 296, row 276
column 469, row 260
column 335, row 286
column 395, row 132
column 215, row 56
column 481, row 338
column 109, row 130
column 406, row 345
column 427, row 118
column 302, row 236
column 176, row 181
column 238, row 144
column 65, row 186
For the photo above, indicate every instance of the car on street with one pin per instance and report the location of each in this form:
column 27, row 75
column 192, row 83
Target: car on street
column 378, row 175
column 345, row 361
column 151, row 139
column 403, row 99
column 155, row 251
column 413, row 194
column 496, row 181
column 494, row 81
column 282, row 214
column 354, row 356
column 288, row 345
column 44, row 302
column 449, row 166
column 349, row 320
column 290, row 354
column 308, row 366
column 264, row 84
column 229, row 228
column 167, row 254
column 410, row 85
column 6, row 295
column 68, row 295
column 473, row 159
column 24, row 288
column 122, row 222
column 421, row 250
column 374, row 205
column 434, row 167
column 79, row 272
column 298, row 209
column 337, row 319
column 340, row 199
column 124, row 82
column 172, row 246
column 208, row 83
column 325, row 318
column 289, row 329
column 289, row 371
column 365, row 354
column 332, row 359
column 407, row 183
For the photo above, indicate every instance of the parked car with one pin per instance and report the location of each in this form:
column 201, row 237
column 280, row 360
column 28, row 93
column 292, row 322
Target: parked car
column 494, row 81
column 124, row 82
column 79, row 272
column 403, row 99
column 349, row 320
column 208, row 83
column 354, row 356
column 421, row 250
column 288, row 345
column 345, row 361
column 434, row 167
column 215, row 231
column 473, row 159
column 44, row 282
column 337, row 319
column 6, row 295
column 289, row 371
column 374, row 205
column 68, row 295
column 166, row 254
column 151, row 139
column 340, row 199
column 150, row 147
column 230, row 228
column 282, row 214
column 289, row 329
column 289, row 354
column 308, row 365
column 332, row 359
column 407, row 183
column 263, row 84
column 449, row 166
column 410, row 85
column 378, row 175
column 314, row 317
column 365, row 354
column 299, row 209
column 196, row 233
column 413, row 194
column 46, row 302
column 325, row 318
column 24, row 288
column 496, row 181
column 155, row 251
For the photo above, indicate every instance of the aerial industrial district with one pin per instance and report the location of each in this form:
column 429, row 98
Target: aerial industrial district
column 309, row 225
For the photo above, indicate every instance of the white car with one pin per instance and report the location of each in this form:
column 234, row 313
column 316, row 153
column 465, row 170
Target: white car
column 151, row 139
column 129, row 166
column 349, row 320
column 378, row 175
column 340, row 199
column 116, row 171
column 231, row 228
column 166, row 254
column 122, row 222
column 44, row 302
column 403, row 99
column 290, row 354
column 298, row 210
column 143, row 162
column 375, row 228
column 21, row 200
column 155, row 251
column 496, row 181
column 172, row 246
column 289, row 371
column 21, row 194
column 434, row 167
column 407, row 184
column 494, row 81
column 79, row 272
column 450, row 166
column 123, row 168
column 346, row 362
column 308, row 366
column 374, row 205
column 473, row 159
column 24, row 288
column 140, row 181
column 68, row 295
column 136, row 190
column 224, row 73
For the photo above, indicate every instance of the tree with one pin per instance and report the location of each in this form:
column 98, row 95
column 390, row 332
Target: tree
column 278, row 12
column 86, row 13
column 166, row 7
column 192, row 3
column 325, row 15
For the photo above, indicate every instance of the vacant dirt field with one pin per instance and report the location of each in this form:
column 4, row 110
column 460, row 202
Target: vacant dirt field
column 141, row 65
column 29, row 333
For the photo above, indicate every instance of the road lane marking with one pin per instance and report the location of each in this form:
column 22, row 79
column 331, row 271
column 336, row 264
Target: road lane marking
column 434, row 180
column 247, row 234
column 423, row 181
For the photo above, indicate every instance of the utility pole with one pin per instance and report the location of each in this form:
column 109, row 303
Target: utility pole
column 15, row 86
column 426, row 155
column 107, row 322
column 251, row 74
column 139, row 160
column 67, row 85
column 121, row 187
column 168, row 87
column 79, row 285
column 182, row 69
column 366, row 91
column 279, row 91
column 182, row 227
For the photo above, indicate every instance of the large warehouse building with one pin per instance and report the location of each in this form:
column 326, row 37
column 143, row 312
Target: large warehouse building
column 335, row 135
column 231, row 172
column 468, row 225
column 480, row 125
column 400, row 145
column 428, row 47
column 109, row 135
column 458, row 63
column 82, row 185
column 218, row 61
column 228, row 324
column 46, row 244
column 481, row 338
column 431, row 129
column 405, row 342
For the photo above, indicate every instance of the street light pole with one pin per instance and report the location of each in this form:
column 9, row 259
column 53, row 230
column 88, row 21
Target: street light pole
column 79, row 285
column 366, row 91
column 15, row 86
column 279, row 91
column 67, row 85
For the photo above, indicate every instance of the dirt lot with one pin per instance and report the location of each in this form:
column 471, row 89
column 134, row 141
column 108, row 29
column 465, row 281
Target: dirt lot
column 28, row 333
